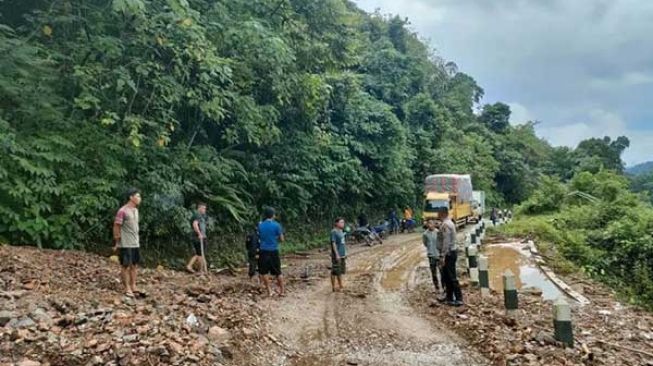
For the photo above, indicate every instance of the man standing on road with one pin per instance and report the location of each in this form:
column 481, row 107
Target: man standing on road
column 198, row 224
column 252, row 244
column 338, row 254
column 126, row 241
column 430, row 240
column 269, row 262
column 448, row 258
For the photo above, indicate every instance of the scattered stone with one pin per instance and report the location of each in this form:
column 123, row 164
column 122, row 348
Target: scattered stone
column 28, row 362
column 24, row 322
column 175, row 347
column 533, row 291
column 192, row 321
column 96, row 360
column 41, row 316
column 130, row 338
column 545, row 338
column 203, row 298
column 219, row 335
column 5, row 317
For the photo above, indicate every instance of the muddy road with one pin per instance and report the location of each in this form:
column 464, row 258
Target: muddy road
column 371, row 323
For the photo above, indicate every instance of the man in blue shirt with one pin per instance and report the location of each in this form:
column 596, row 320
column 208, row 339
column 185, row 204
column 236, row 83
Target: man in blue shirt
column 338, row 254
column 269, row 263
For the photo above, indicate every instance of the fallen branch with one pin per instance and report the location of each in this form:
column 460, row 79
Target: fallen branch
column 625, row 348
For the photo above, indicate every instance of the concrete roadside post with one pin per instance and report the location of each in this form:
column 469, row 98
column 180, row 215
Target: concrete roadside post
column 562, row 322
column 479, row 234
column 510, row 299
column 473, row 238
column 472, row 253
column 483, row 275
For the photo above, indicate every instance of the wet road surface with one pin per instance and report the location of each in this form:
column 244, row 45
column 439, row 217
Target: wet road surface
column 371, row 323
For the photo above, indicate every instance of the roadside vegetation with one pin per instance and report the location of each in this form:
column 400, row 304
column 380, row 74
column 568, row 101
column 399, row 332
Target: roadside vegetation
column 313, row 107
column 597, row 223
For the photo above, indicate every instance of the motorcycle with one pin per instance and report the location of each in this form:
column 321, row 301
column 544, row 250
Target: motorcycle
column 382, row 229
column 408, row 225
column 365, row 235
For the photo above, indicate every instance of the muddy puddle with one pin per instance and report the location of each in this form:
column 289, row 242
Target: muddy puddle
column 527, row 274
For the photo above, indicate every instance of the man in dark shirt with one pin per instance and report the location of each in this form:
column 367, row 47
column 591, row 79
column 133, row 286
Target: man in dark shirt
column 338, row 254
column 448, row 251
column 198, row 238
column 362, row 221
column 252, row 244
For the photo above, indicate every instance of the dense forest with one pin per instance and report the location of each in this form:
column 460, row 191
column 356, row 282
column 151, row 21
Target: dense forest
column 310, row 106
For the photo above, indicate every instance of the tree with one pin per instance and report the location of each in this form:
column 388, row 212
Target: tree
column 603, row 152
column 496, row 116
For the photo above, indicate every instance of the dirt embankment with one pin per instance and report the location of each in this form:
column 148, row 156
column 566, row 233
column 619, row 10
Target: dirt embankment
column 66, row 308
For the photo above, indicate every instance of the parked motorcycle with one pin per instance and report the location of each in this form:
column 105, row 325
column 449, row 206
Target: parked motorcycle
column 408, row 226
column 382, row 229
column 366, row 236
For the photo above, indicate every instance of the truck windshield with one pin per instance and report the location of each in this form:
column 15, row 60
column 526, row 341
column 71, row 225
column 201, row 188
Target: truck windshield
column 435, row 205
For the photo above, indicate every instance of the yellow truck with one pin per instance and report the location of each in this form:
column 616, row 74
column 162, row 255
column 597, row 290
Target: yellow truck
column 448, row 191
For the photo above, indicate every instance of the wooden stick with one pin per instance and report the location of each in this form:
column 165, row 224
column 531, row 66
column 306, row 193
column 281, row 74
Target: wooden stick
column 625, row 348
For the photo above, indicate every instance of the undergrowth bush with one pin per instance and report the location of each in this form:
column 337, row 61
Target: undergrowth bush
column 609, row 239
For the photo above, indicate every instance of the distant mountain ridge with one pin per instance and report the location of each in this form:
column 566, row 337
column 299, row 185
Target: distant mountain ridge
column 642, row 168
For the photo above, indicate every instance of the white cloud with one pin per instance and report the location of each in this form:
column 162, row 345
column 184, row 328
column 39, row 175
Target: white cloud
column 519, row 113
column 600, row 123
column 625, row 80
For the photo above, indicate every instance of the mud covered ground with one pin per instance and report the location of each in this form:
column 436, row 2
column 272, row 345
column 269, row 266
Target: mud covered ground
column 372, row 322
column 65, row 308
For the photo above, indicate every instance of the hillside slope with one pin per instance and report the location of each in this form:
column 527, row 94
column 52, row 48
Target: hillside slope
column 640, row 169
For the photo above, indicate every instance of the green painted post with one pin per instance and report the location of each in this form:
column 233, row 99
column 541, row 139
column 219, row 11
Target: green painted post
column 510, row 299
column 483, row 275
column 562, row 322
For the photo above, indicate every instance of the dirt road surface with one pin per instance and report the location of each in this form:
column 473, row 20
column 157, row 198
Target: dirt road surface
column 371, row 323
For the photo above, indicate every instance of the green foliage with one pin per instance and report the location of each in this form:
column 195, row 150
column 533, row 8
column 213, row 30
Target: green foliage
column 643, row 184
column 311, row 106
column 607, row 236
column 546, row 199
column 496, row 116
column 595, row 153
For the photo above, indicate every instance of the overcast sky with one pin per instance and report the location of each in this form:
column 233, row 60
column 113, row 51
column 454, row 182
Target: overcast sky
column 582, row 67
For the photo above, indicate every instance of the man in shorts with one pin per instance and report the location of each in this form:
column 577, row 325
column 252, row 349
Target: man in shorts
column 198, row 224
column 338, row 254
column 126, row 241
column 269, row 262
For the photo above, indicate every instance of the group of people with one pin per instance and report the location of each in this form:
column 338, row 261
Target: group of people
column 263, row 249
column 262, row 245
column 442, row 253
column 127, row 245
column 497, row 214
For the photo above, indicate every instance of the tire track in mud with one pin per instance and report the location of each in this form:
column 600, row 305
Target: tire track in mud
column 371, row 323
